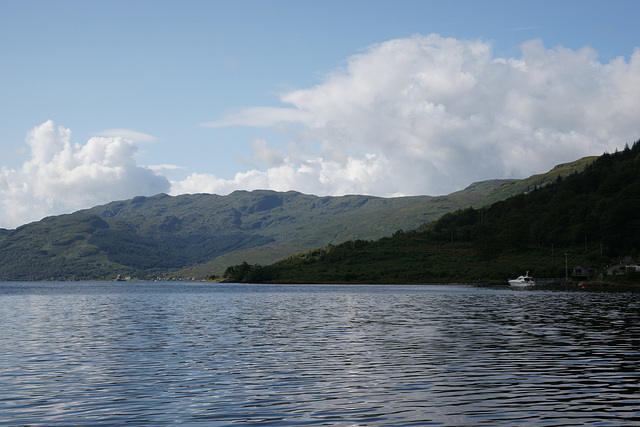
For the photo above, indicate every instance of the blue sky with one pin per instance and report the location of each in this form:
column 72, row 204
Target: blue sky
column 107, row 100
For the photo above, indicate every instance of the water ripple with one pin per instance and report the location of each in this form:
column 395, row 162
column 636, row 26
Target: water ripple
column 166, row 353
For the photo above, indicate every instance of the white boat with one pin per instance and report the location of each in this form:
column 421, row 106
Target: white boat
column 522, row 281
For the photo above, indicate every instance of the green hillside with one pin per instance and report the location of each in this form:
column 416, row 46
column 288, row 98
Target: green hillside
column 195, row 235
column 591, row 216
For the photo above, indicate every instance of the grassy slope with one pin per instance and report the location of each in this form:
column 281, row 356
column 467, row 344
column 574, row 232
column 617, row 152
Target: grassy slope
column 152, row 236
column 344, row 218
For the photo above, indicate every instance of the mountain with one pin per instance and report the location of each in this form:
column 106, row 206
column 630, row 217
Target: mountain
column 202, row 234
column 588, row 219
column 150, row 236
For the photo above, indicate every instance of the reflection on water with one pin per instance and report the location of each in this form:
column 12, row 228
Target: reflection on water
column 167, row 353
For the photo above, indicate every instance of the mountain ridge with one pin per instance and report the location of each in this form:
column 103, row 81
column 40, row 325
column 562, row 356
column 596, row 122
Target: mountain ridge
column 202, row 234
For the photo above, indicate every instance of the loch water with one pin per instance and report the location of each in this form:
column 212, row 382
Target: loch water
column 165, row 353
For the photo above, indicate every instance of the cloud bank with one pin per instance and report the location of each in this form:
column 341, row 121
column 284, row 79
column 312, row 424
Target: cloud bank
column 430, row 115
column 61, row 177
column 421, row 115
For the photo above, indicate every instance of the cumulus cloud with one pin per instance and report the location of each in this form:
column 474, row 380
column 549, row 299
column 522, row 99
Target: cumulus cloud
column 420, row 115
column 430, row 115
column 61, row 176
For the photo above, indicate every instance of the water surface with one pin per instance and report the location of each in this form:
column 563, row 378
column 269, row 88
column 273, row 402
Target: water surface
column 163, row 353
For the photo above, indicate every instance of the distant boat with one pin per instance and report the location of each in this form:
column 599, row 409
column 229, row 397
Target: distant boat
column 522, row 281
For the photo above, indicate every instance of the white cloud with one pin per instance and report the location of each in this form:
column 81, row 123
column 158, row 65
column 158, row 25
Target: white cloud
column 128, row 134
column 60, row 176
column 430, row 115
column 167, row 170
column 422, row 115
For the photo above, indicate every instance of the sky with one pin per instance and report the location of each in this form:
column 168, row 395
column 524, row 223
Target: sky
column 108, row 100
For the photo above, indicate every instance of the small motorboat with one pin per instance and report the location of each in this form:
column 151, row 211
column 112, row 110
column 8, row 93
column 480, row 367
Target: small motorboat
column 522, row 281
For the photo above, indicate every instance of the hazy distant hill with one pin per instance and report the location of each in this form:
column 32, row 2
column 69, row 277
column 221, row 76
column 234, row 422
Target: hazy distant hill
column 202, row 234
